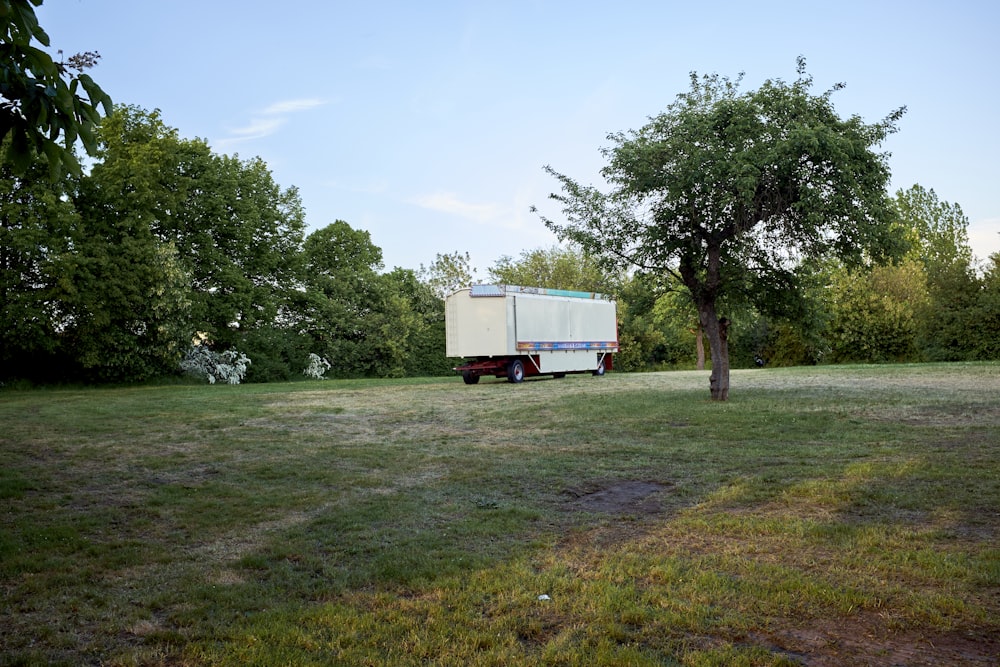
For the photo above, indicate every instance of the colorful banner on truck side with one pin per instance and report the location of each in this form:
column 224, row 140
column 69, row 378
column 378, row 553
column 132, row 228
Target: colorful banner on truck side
column 546, row 346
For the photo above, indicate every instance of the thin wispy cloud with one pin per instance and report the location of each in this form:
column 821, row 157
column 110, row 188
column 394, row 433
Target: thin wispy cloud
column 447, row 202
column 258, row 127
column 291, row 106
column 510, row 217
column 267, row 121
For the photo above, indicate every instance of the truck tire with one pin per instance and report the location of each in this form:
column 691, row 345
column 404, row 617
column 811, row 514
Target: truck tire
column 600, row 369
column 470, row 378
column 515, row 371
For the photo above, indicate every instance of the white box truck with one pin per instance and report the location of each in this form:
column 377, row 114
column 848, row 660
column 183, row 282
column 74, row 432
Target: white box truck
column 517, row 332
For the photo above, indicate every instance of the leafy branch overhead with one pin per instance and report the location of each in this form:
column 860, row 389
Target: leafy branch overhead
column 43, row 110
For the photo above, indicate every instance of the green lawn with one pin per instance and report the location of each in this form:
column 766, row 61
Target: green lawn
column 823, row 516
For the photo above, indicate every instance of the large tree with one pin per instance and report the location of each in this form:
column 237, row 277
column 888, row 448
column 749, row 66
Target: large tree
column 238, row 235
column 730, row 190
column 940, row 243
column 124, row 296
column 358, row 318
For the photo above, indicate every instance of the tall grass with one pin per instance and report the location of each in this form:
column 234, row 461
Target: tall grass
column 836, row 515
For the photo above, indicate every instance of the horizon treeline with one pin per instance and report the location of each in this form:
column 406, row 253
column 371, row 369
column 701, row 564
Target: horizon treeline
column 114, row 275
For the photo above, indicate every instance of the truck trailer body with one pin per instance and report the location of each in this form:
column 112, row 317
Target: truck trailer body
column 516, row 332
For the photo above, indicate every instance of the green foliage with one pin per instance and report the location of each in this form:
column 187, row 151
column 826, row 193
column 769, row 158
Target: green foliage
column 940, row 243
column 799, row 335
column 447, row 273
column 364, row 322
column 983, row 335
column 938, row 230
column 426, row 339
column 35, row 221
column 42, row 111
column 125, row 297
column 279, row 353
column 338, row 308
column 953, row 296
column 656, row 326
column 638, row 340
column 558, row 267
column 786, row 345
column 875, row 313
column 726, row 191
column 238, row 234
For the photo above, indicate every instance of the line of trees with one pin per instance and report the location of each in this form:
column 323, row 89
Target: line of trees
column 110, row 276
column 757, row 222
column 934, row 302
column 900, row 312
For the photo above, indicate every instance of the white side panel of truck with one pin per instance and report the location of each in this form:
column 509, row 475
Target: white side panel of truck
column 545, row 319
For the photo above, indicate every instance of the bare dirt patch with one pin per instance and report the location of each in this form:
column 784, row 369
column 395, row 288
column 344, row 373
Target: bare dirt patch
column 868, row 640
column 617, row 497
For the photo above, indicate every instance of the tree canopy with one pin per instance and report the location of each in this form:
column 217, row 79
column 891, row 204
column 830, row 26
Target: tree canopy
column 729, row 191
column 558, row 267
column 448, row 272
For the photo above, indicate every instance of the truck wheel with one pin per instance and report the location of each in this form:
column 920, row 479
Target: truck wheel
column 600, row 368
column 470, row 378
column 515, row 371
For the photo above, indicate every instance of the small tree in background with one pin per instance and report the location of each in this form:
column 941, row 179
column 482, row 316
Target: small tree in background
column 227, row 367
column 940, row 244
column 317, row 367
column 569, row 268
column 448, row 272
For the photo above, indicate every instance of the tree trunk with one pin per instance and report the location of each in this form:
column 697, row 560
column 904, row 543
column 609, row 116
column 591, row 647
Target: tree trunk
column 699, row 347
column 717, row 331
column 704, row 290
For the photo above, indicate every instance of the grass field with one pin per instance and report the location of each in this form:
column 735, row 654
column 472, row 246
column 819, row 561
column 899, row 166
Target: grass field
column 823, row 516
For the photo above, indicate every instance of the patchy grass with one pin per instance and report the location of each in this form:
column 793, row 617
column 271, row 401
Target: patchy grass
column 823, row 516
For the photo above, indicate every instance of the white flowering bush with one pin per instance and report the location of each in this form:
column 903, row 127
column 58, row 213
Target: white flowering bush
column 317, row 368
column 229, row 367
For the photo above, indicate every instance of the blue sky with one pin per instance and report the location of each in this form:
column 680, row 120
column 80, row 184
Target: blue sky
column 428, row 123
